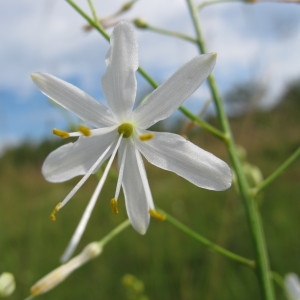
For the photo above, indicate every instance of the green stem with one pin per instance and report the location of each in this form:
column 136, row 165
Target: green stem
column 94, row 24
column 207, row 243
column 149, row 79
column 112, row 234
column 277, row 172
column 252, row 212
column 171, row 33
column 201, row 123
column 93, row 10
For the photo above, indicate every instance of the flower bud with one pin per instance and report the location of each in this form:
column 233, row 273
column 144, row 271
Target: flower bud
column 140, row 23
column 59, row 274
column 7, row 284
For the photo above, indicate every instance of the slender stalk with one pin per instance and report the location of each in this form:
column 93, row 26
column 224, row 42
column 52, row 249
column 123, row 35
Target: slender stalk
column 171, row 33
column 209, row 244
column 216, row 132
column 112, row 234
column 94, row 24
column 93, row 10
column 149, row 79
column 252, row 212
column 277, row 172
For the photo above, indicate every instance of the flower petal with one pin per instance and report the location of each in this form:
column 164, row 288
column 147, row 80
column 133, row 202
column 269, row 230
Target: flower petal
column 73, row 99
column 163, row 101
column 174, row 153
column 292, row 285
column 76, row 158
column 136, row 188
column 119, row 82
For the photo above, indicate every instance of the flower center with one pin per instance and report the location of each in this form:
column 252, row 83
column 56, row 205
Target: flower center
column 126, row 129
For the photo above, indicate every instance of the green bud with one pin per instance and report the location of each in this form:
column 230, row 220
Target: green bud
column 140, row 23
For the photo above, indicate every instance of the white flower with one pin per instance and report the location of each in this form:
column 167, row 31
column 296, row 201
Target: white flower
column 292, row 285
column 120, row 129
column 7, row 284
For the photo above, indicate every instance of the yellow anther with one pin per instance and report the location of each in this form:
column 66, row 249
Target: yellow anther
column 155, row 214
column 85, row 130
column 61, row 133
column 146, row 137
column 126, row 129
column 54, row 211
column 114, row 206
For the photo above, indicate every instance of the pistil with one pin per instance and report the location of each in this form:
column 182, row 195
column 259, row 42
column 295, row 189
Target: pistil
column 126, row 129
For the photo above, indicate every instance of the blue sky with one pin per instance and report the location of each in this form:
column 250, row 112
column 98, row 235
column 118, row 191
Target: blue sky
column 258, row 42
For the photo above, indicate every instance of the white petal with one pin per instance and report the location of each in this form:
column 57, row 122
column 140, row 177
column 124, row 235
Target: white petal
column 73, row 99
column 76, row 158
column 136, row 189
column 174, row 153
column 119, row 82
column 163, row 101
column 292, row 285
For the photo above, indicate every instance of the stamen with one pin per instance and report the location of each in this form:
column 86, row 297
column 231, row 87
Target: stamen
column 61, row 133
column 146, row 137
column 85, row 177
column 155, row 214
column 126, row 129
column 86, row 131
column 54, row 211
column 88, row 211
column 114, row 206
column 121, row 173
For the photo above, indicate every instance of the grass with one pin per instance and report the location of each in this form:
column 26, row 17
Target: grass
column 168, row 263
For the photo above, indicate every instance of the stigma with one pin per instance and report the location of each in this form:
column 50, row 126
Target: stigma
column 126, row 129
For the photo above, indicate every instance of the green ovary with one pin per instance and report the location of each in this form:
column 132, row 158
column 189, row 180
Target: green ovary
column 126, row 129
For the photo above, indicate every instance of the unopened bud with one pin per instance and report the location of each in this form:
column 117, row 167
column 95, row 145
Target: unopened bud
column 58, row 275
column 127, row 6
column 140, row 23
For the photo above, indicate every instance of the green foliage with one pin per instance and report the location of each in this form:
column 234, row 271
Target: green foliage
column 27, row 153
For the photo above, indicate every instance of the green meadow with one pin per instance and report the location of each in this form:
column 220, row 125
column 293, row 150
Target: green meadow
column 165, row 263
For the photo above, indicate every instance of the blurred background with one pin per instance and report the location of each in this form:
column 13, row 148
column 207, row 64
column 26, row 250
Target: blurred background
column 258, row 72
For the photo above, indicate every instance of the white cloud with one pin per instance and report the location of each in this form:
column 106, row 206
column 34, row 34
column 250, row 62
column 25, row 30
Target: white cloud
column 258, row 40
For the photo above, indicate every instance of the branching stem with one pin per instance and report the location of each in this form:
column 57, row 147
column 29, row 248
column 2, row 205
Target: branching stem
column 252, row 212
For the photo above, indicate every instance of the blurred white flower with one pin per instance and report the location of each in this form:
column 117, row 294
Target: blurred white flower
column 292, row 286
column 7, row 284
column 120, row 129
